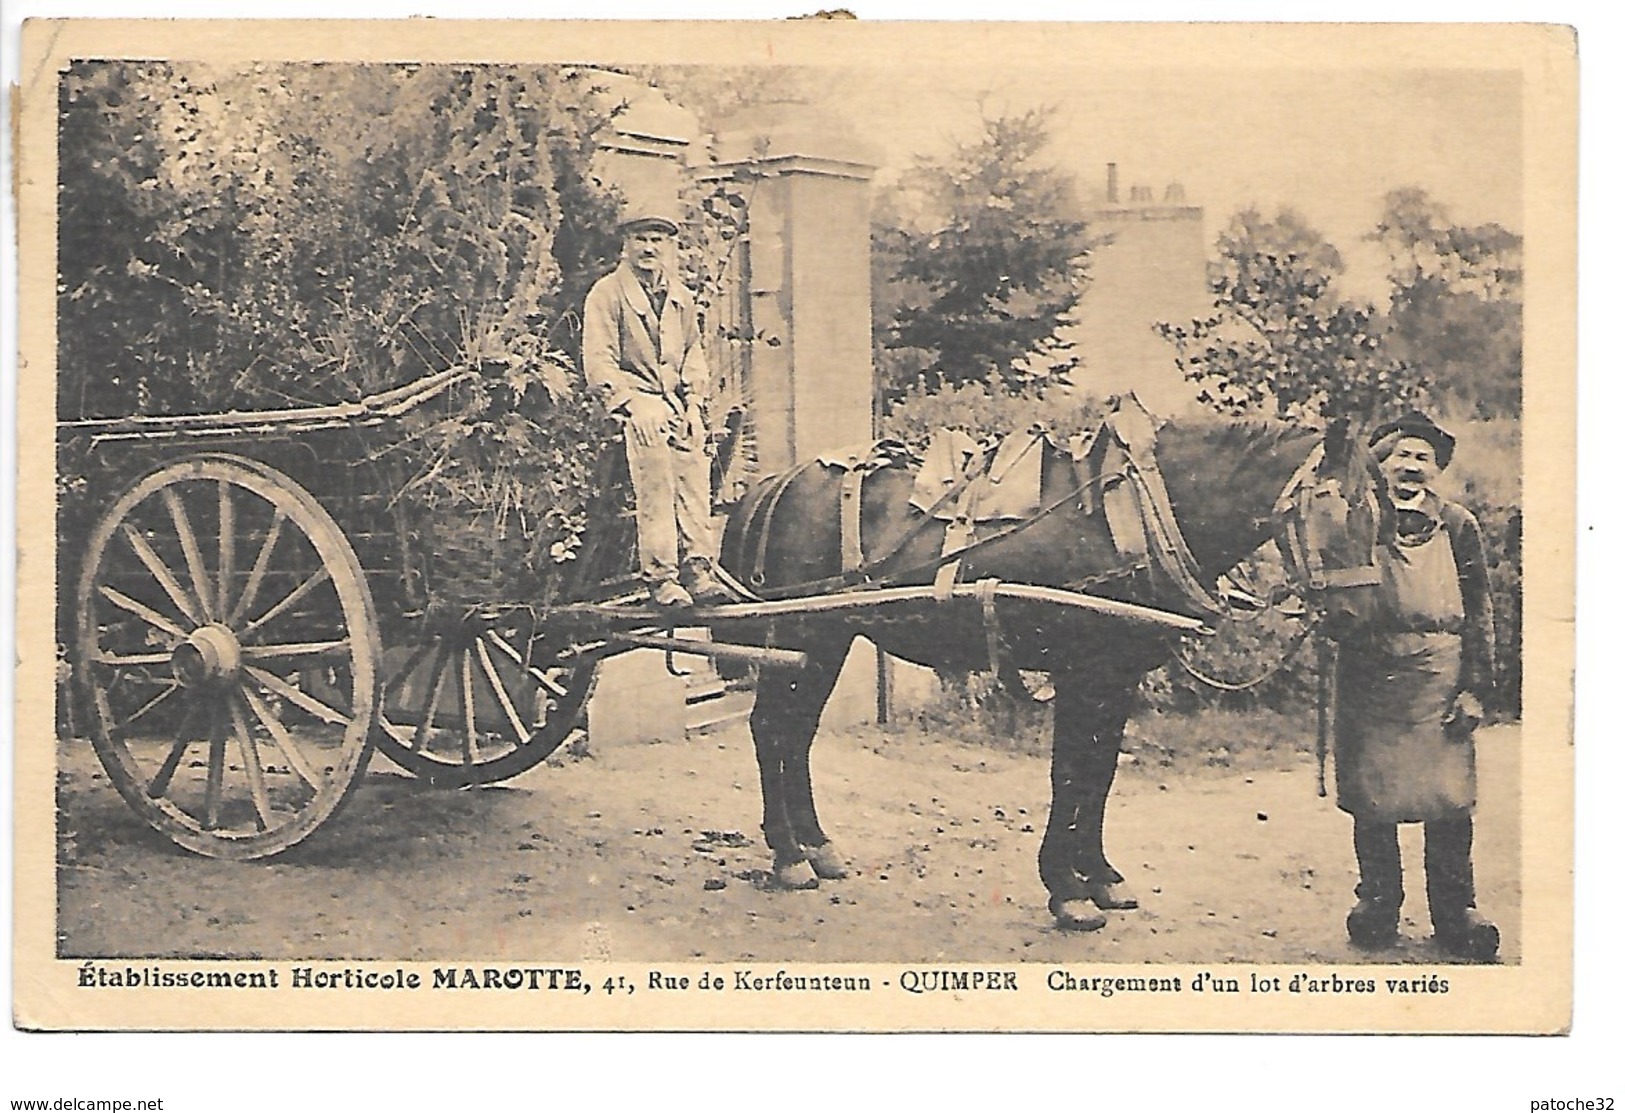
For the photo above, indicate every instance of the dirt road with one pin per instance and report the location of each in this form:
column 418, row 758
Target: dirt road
column 651, row 852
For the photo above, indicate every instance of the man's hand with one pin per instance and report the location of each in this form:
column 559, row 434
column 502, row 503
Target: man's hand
column 649, row 417
column 1464, row 716
column 696, row 423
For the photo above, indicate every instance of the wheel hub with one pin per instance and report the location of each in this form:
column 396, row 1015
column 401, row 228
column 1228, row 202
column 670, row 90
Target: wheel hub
column 209, row 653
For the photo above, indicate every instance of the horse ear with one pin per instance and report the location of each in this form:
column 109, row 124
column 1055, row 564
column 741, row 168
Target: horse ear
column 1337, row 434
column 1337, row 447
column 1367, row 472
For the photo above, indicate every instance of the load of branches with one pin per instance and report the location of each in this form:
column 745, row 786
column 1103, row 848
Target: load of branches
column 256, row 238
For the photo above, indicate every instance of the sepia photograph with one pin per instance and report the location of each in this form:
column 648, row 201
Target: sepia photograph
column 809, row 526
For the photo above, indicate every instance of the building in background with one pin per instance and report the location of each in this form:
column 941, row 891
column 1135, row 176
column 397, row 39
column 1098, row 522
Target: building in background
column 799, row 283
column 1150, row 266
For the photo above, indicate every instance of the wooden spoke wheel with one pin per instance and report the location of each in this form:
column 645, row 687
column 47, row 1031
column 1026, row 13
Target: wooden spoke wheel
column 470, row 705
column 227, row 651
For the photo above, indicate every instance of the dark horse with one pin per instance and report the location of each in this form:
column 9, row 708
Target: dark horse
column 1224, row 480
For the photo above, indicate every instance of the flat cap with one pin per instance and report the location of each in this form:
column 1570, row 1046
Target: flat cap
column 639, row 217
column 1418, row 424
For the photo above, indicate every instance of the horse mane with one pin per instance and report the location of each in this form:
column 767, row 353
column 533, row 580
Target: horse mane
column 1246, row 436
column 1244, row 446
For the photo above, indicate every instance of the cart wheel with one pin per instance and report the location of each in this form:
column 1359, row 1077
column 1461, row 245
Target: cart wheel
column 469, row 706
column 217, row 599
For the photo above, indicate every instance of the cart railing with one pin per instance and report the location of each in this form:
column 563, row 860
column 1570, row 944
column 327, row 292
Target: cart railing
column 374, row 409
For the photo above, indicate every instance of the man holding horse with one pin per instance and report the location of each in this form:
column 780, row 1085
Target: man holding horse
column 641, row 343
column 1413, row 680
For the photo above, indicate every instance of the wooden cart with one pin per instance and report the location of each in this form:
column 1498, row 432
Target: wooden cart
column 238, row 652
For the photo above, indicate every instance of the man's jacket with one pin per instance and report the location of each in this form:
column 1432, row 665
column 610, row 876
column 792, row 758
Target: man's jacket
column 1478, row 621
column 626, row 347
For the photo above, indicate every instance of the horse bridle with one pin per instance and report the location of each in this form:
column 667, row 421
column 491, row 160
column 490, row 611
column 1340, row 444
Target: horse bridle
column 1299, row 519
column 1300, row 516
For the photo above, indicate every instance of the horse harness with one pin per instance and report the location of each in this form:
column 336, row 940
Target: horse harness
column 1302, row 513
column 1116, row 474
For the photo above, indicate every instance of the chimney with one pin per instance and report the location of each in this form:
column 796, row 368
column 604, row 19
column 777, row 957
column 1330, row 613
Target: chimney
column 1111, row 183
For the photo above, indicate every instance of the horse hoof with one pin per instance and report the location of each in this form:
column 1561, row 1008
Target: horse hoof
column 794, row 875
column 1078, row 915
column 1112, row 895
column 826, row 862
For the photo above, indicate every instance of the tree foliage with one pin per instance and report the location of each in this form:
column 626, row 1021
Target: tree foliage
column 1456, row 302
column 987, row 411
column 1282, row 340
column 303, row 234
column 979, row 261
column 1456, row 309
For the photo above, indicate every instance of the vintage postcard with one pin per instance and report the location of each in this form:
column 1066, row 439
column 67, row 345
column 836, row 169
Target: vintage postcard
column 810, row 526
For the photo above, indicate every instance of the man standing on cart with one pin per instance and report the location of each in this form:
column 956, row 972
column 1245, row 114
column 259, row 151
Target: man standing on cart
column 1411, row 689
column 641, row 341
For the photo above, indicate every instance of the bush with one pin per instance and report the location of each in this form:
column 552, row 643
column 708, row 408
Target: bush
column 506, row 487
column 973, row 711
column 254, row 237
column 1486, row 477
column 974, row 708
column 988, row 409
column 1218, row 739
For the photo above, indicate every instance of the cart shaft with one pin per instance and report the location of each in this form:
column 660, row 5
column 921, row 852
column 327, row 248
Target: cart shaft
column 726, row 651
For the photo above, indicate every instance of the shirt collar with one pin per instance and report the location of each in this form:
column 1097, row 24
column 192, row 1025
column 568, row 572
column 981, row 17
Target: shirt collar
column 1425, row 501
column 675, row 292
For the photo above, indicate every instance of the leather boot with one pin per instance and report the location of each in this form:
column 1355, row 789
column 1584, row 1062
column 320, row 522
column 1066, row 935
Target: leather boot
column 701, row 584
column 1373, row 924
column 669, row 595
column 1468, row 935
column 1458, row 929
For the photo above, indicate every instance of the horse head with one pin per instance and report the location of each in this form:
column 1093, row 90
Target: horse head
column 1333, row 522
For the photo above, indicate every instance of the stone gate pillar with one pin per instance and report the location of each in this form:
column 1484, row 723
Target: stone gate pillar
column 645, row 149
column 806, row 179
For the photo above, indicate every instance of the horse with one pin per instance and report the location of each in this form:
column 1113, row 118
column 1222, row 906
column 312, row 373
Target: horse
column 1227, row 486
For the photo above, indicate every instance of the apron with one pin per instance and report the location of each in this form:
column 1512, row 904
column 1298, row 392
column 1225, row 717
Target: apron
column 1395, row 761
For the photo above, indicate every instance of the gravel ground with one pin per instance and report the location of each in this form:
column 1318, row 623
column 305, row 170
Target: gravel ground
column 652, row 853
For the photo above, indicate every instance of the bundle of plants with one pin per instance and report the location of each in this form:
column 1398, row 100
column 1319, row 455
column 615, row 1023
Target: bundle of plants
column 506, row 481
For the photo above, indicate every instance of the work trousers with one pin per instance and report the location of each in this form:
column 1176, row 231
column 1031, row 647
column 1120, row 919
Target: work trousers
column 671, row 485
column 1447, row 857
